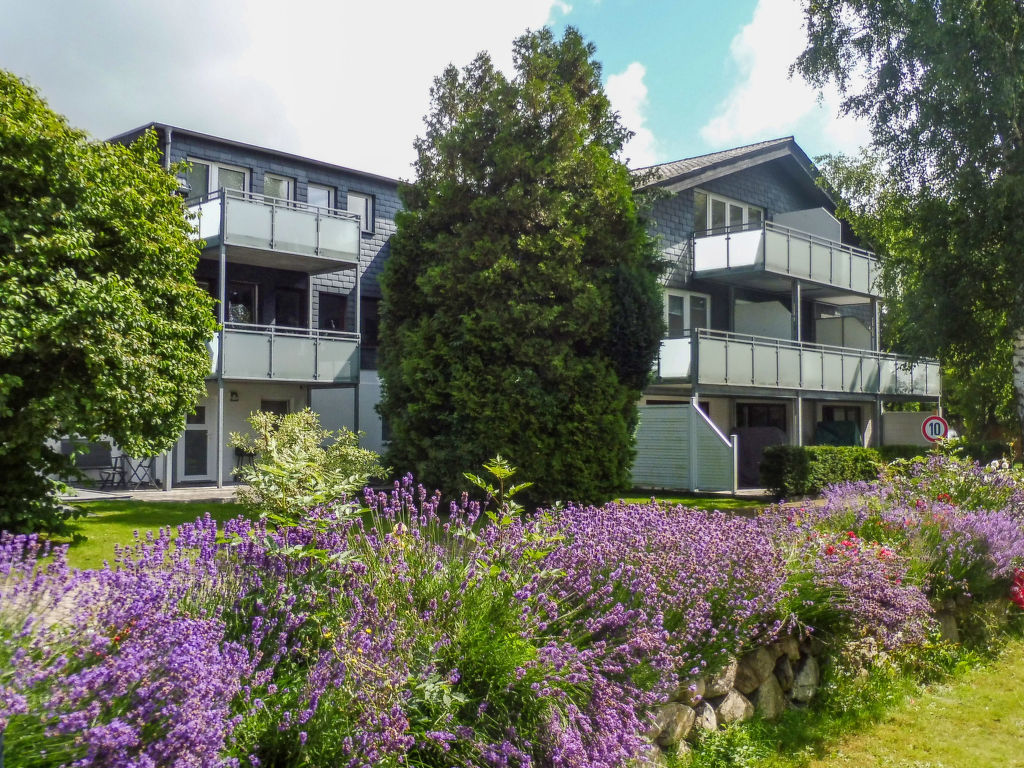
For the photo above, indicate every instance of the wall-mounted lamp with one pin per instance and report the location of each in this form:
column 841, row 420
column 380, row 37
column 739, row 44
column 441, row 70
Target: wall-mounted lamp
column 234, row 396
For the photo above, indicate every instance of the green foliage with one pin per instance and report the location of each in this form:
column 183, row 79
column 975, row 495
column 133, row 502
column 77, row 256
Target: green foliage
column 941, row 84
column 503, row 497
column 298, row 464
column 103, row 329
column 521, row 308
column 790, row 470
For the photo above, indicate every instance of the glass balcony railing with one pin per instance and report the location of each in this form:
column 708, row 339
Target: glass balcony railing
column 316, row 238
column 721, row 358
column 785, row 251
column 272, row 353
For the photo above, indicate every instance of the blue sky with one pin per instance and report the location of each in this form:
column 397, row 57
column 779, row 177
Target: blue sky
column 348, row 82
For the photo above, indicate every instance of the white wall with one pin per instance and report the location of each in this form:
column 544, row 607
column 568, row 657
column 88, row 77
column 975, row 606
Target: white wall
column 763, row 318
column 816, row 221
column 904, row 427
column 336, row 407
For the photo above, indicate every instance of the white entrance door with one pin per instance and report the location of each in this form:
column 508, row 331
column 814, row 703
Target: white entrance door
column 196, row 450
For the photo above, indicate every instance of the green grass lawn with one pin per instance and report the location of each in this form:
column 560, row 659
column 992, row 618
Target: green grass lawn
column 976, row 721
column 732, row 503
column 114, row 522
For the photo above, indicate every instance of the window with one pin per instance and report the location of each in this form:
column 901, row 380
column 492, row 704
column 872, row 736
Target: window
column 277, row 186
column 332, row 311
column 685, row 311
column 203, row 177
column 242, row 304
column 362, row 204
column 288, row 306
column 714, row 212
column 319, row 196
column 369, row 322
column 761, row 415
column 276, row 407
column 841, row 413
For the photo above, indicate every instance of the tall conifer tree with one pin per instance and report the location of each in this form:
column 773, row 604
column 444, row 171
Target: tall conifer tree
column 521, row 306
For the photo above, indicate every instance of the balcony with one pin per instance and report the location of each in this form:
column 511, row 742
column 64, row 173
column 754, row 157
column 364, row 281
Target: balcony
column 270, row 232
column 722, row 359
column 260, row 353
column 769, row 257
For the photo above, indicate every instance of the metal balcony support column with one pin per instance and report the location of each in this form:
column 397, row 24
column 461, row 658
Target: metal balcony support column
column 799, row 420
column 691, row 423
column 732, row 308
column 795, row 304
column 222, row 272
column 877, row 441
column 876, row 325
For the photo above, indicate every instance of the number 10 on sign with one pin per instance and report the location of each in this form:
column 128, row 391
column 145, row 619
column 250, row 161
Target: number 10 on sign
column 935, row 428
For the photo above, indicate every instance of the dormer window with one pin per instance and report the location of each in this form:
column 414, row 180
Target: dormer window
column 715, row 215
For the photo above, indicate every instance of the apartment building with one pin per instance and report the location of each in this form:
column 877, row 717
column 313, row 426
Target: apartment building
column 773, row 322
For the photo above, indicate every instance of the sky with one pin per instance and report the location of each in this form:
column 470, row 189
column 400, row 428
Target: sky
column 349, row 82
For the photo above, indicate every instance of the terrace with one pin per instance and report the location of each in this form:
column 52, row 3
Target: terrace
column 770, row 256
column 720, row 358
column 271, row 232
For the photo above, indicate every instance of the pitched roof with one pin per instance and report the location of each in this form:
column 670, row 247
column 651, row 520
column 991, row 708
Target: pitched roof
column 663, row 171
column 691, row 171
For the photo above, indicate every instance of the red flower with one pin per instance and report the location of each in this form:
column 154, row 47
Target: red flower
column 851, row 535
column 1017, row 590
column 945, row 498
column 919, row 503
column 830, row 550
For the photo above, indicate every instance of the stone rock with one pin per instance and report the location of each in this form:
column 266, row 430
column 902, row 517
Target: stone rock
column 948, row 629
column 734, row 708
column 784, row 673
column 776, row 649
column 722, row 681
column 753, row 669
column 791, row 647
column 652, row 757
column 806, row 680
column 812, row 646
column 706, row 719
column 689, row 693
column 682, row 749
column 678, row 720
column 769, row 700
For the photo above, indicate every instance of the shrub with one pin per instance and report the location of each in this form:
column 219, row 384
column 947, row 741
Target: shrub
column 297, row 464
column 983, row 451
column 789, row 470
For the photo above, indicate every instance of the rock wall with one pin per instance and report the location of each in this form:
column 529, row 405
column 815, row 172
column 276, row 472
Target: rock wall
column 766, row 682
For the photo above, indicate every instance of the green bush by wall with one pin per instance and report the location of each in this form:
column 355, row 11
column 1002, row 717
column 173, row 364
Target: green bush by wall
column 790, row 470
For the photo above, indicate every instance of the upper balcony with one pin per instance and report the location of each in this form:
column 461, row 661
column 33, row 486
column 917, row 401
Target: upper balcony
column 770, row 256
column 274, row 353
column 271, row 232
column 722, row 359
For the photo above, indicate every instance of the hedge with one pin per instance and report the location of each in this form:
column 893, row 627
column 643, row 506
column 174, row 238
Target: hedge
column 791, row 470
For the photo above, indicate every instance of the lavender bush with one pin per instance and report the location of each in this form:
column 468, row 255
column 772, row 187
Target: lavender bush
column 403, row 632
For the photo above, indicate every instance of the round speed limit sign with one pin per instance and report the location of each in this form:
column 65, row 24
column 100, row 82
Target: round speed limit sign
column 935, row 428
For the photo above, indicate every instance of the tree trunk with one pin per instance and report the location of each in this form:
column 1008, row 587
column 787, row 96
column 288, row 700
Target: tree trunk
column 1018, row 381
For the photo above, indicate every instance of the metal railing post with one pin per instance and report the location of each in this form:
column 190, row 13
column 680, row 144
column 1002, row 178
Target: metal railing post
column 270, row 353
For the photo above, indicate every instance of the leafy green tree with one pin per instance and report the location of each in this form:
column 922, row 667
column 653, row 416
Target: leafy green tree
column 521, row 307
column 103, row 329
column 942, row 84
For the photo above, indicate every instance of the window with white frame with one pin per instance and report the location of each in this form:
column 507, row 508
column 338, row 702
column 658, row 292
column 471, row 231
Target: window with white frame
column 277, row 186
column 362, row 204
column 686, row 311
column 722, row 214
column 320, row 196
column 203, row 176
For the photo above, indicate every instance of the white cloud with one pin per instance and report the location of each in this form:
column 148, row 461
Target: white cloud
column 628, row 95
column 342, row 81
column 766, row 102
